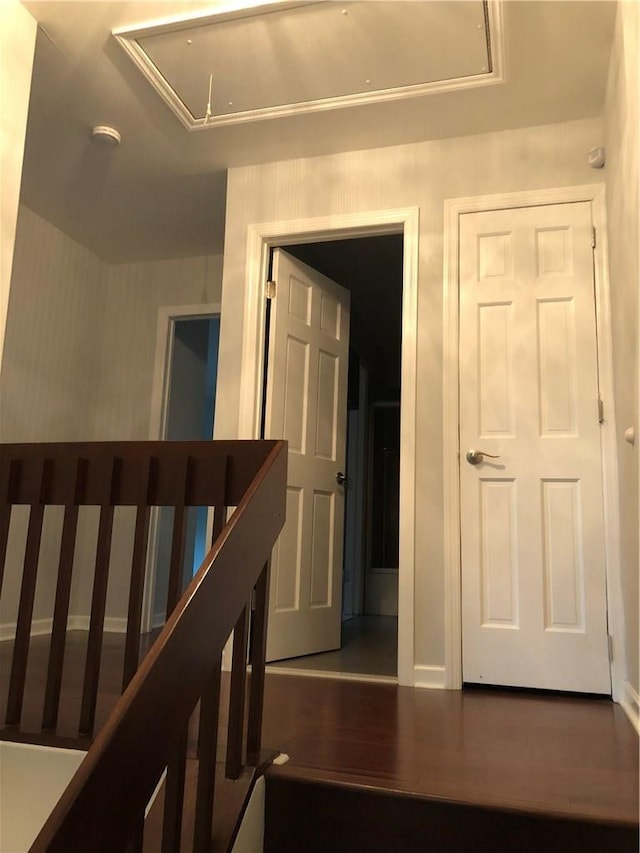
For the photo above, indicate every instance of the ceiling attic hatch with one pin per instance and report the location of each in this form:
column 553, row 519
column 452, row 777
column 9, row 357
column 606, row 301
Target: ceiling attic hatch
column 280, row 59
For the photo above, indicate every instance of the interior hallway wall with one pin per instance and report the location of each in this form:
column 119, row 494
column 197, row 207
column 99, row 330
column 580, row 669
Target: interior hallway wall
column 622, row 118
column 50, row 376
column 421, row 175
column 49, row 383
column 135, row 293
column 78, row 366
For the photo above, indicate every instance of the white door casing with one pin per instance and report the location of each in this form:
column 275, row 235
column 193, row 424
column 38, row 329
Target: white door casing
column 265, row 235
column 532, row 523
column 306, row 397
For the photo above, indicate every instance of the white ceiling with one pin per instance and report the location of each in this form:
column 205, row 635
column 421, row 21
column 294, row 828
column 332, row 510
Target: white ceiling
column 161, row 193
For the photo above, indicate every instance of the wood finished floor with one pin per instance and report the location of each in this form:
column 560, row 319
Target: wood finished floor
column 554, row 755
column 544, row 754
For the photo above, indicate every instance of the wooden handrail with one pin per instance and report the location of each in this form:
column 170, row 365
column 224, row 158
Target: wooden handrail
column 103, row 807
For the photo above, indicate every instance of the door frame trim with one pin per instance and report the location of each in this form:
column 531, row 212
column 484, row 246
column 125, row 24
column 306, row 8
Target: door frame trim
column 453, row 209
column 167, row 316
column 261, row 238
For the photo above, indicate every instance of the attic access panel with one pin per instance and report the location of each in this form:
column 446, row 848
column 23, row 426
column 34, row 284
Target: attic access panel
column 286, row 58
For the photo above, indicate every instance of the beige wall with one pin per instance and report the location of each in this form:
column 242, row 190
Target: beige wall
column 17, row 45
column 78, row 366
column 49, row 379
column 53, row 336
column 422, row 175
column 621, row 171
column 135, row 293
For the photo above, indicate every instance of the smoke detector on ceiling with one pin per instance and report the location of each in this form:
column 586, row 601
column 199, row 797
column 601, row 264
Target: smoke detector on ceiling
column 102, row 134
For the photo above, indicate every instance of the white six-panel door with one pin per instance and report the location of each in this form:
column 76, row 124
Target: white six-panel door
column 306, row 402
column 533, row 570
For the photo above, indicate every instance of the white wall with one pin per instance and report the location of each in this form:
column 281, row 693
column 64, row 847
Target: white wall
column 49, row 381
column 135, row 292
column 422, row 175
column 78, row 366
column 17, row 46
column 52, row 344
column 623, row 211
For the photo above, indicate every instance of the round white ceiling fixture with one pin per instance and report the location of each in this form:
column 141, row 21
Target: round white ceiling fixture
column 105, row 135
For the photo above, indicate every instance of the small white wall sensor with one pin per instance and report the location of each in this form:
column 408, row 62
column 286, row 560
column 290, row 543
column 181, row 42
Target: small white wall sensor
column 595, row 157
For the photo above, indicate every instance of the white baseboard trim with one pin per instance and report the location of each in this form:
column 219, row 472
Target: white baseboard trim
column 112, row 624
column 115, row 624
column 630, row 702
column 75, row 622
column 158, row 620
column 433, row 677
column 39, row 628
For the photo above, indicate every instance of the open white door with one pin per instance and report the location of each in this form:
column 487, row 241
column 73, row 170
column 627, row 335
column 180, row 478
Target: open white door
column 306, row 401
column 533, row 564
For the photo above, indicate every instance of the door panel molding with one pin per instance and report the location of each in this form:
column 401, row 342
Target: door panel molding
column 453, row 210
column 261, row 238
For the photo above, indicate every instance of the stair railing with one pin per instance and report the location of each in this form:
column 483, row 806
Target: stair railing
column 103, row 808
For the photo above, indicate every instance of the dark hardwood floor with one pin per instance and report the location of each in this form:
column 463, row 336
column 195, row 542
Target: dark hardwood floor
column 546, row 754
column 110, row 684
column 566, row 756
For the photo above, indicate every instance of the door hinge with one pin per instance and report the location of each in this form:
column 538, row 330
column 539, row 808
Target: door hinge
column 610, row 643
column 600, row 411
column 593, row 236
column 271, row 289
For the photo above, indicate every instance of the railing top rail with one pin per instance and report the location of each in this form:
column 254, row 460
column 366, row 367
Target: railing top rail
column 48, row 473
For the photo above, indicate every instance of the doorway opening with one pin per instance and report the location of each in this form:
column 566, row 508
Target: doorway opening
column 189, row 345
column 371, row 269
column 261, row 237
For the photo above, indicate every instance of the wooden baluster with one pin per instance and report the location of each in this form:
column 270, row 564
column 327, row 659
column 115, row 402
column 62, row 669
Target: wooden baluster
column 219, row 519
column 27, row 597
column 138, row 569
column 9, row 477
column 63, row 594
column 98, row 605
column 207, row 746
column 174, row 795
column 237, row 693
column 136, row 841
column 258, row 652
column 176, row 567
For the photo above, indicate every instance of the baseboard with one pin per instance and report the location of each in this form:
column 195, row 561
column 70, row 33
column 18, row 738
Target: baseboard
column 75, row 622
column 112, row 624
column 39, row 627
column 630, row 702
column 433, row 677
column 115, row 624
column 158, row 620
